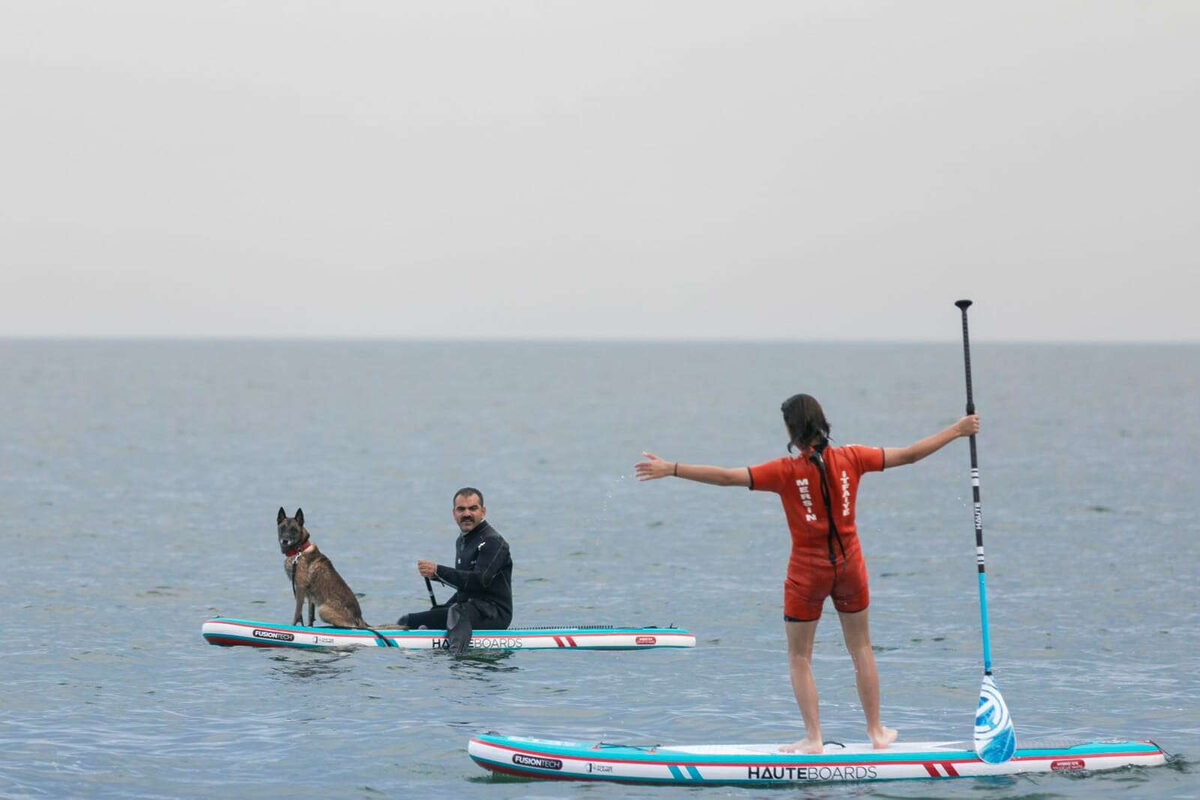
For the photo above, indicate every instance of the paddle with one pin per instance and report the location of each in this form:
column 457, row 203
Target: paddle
column 994, row 737
column 432, row 599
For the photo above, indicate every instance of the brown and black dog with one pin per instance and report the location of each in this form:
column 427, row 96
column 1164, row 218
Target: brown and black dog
column 314, row 578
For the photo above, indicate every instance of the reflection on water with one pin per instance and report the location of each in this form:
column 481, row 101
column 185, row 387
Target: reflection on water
column 305, row 665
column 481, row 664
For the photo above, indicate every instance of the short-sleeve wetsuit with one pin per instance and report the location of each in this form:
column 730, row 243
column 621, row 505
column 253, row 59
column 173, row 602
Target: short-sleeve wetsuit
column 825, row 560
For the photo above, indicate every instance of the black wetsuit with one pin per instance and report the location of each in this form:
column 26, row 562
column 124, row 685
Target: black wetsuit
column 482, row 575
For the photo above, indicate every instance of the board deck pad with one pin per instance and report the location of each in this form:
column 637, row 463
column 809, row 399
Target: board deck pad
column 765, row 764
column 228, row 631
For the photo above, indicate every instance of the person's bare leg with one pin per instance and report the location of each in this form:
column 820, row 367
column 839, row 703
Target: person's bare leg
column 857, row 634
column 800, row 644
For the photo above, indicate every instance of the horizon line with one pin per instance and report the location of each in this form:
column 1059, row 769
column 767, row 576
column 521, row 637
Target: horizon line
column 397, row 339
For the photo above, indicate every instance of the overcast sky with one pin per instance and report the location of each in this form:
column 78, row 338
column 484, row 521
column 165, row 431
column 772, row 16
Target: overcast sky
column 745, row 170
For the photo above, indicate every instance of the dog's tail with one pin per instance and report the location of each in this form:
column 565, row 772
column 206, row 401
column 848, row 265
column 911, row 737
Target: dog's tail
column 386, row 641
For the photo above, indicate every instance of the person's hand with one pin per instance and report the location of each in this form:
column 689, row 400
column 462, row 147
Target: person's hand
column 967, row 426
column 426, row 568
column 653, row 467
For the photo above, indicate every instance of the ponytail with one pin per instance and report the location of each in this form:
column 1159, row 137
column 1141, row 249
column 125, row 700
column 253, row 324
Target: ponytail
column 805, row 422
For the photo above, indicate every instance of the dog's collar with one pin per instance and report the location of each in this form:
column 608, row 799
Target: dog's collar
column 304, row 548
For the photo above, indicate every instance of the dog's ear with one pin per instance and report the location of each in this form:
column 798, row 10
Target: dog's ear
column 300, row 517
column 282, row 516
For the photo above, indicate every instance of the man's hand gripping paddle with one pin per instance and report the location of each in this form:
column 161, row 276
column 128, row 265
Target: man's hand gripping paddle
column 995, row 740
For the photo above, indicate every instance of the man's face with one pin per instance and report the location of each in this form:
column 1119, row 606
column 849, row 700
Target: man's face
column 468, row 512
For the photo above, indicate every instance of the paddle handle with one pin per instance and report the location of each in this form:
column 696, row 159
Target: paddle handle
column 432, row 599
column 963, row 305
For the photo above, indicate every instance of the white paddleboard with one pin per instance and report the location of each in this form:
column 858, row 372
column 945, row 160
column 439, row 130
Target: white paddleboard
column 766, row 764
column 226, row 631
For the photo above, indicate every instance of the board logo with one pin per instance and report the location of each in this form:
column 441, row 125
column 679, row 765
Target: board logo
column 536, row 761
column 278, row 636
column 483, row 643
column 646, row 640
column 850, row 772
column 1067, row 765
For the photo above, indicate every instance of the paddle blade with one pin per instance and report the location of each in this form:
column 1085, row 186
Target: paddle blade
column 994, row 737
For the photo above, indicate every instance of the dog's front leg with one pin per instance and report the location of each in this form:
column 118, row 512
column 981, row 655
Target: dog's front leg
column 297, row 615
column 312, row 612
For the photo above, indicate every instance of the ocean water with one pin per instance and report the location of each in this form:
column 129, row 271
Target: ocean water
column 139, row 483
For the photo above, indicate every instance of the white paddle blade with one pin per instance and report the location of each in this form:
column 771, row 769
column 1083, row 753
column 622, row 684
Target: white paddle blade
column 995, row 740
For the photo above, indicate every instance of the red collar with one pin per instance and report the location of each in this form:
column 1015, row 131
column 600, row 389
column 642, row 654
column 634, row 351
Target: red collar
column 296, row 553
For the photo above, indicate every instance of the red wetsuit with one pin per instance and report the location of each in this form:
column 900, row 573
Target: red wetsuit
column 821, row 564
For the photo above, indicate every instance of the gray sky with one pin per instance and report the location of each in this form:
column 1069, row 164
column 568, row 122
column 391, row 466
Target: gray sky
column 800, row 170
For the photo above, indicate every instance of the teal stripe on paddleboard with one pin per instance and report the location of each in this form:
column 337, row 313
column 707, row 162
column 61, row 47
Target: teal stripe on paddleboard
column 618, row 753
column 1090, row 748
column 585, row 751
column 279, row 626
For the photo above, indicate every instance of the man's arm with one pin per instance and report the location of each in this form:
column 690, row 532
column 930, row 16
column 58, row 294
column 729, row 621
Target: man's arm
column 899, row 456
column 492, row 557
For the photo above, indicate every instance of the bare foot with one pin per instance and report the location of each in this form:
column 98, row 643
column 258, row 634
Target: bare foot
column 805, row 746
column 882, row 738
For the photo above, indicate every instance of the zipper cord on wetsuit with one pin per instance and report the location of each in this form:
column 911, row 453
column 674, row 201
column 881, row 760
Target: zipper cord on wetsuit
column 825, row 495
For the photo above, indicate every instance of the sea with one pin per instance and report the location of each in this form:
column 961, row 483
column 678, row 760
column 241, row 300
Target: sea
column 140, row 481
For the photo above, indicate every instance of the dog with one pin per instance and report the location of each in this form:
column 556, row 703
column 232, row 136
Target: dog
column 314, row 578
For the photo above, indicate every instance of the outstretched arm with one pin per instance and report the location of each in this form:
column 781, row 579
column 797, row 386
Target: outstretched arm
column 654, row 467
column 898, row 456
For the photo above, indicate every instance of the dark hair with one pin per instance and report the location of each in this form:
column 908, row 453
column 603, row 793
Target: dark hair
column 805, row 422
column 465, row 491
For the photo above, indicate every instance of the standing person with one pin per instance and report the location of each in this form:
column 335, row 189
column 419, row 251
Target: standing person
column 482, row 576
column 818, row 487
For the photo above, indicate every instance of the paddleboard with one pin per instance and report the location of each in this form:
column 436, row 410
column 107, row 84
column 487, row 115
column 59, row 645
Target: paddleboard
column 765, row 764
column 226, row 631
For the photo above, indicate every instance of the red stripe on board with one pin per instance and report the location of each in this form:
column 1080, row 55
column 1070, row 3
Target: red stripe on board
column 571, row 641
column 408, row 636
column 341, row 633
column 680, row 759
column 950, row 770
column 558, row 642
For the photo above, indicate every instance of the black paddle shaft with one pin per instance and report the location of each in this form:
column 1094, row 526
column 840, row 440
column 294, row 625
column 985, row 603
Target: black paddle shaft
column 964, row 305
column 432, row 599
